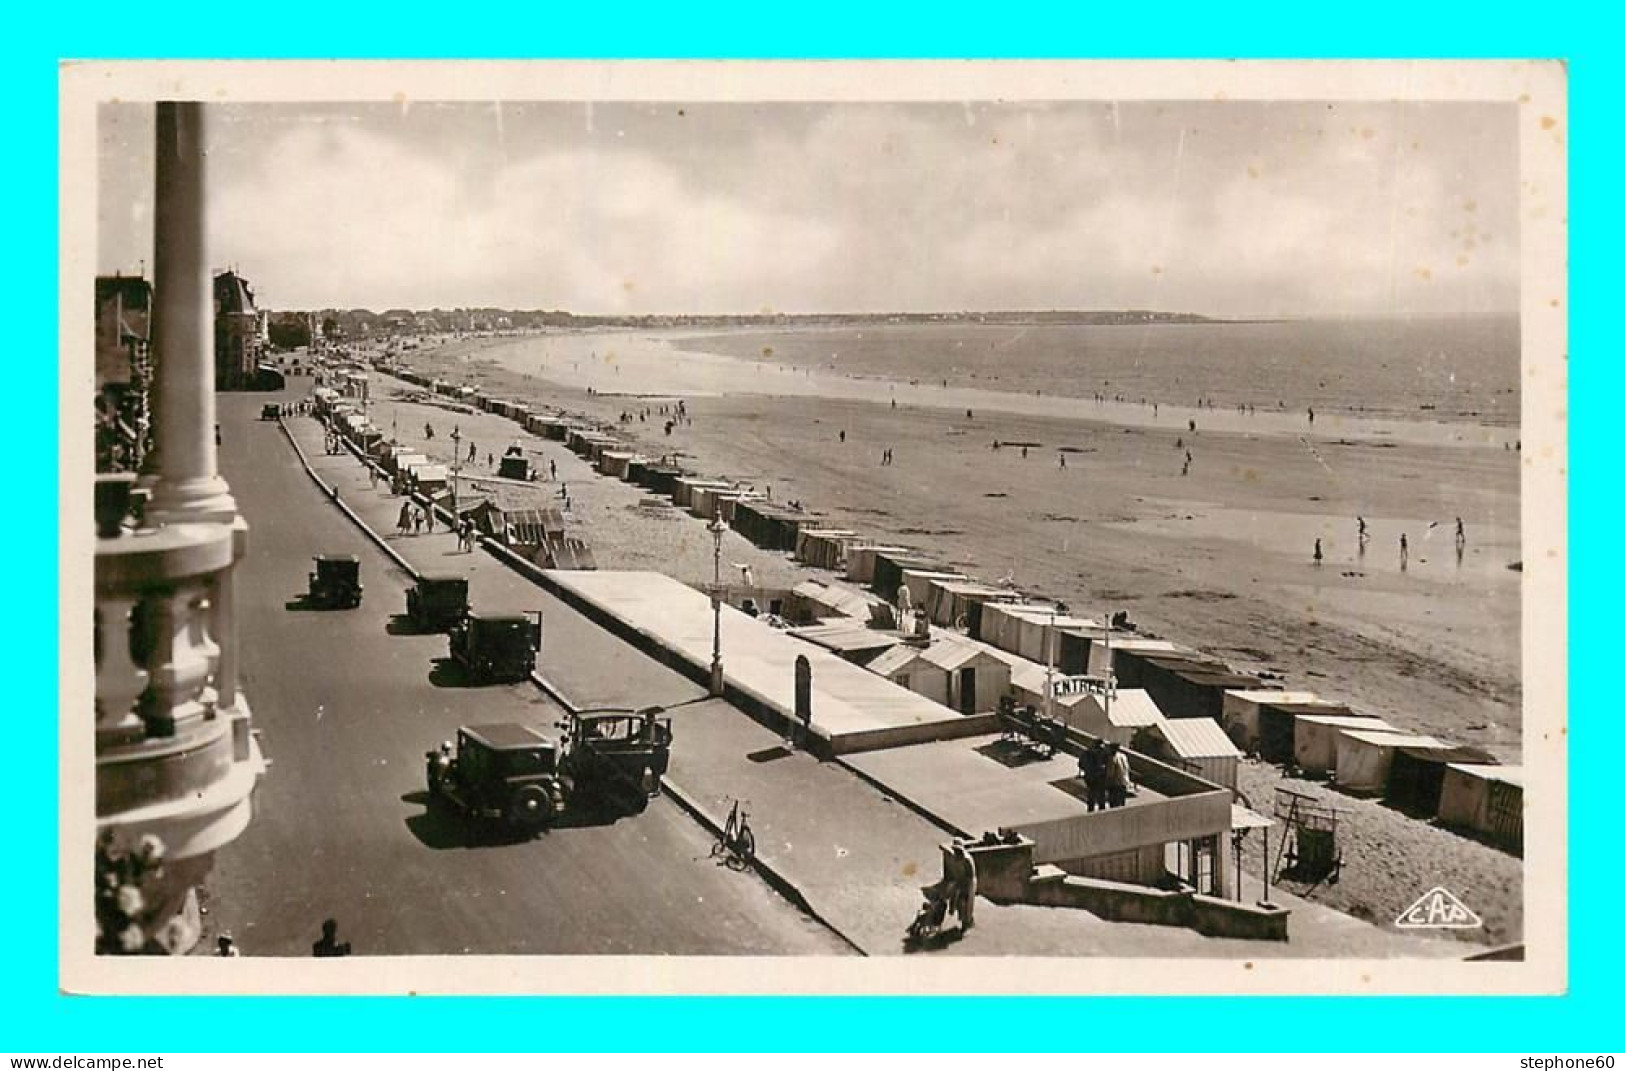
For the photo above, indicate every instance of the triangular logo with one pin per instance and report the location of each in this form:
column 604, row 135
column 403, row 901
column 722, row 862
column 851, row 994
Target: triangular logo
column 1438, row 909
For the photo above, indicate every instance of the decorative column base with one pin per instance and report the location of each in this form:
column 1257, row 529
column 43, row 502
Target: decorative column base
column 204, row 499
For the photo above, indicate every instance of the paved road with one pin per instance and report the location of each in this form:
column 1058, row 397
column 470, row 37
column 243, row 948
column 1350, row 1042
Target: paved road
column 341, row 827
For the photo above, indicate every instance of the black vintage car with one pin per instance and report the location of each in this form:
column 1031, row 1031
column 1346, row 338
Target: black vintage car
column 271, row 411
column 496, row 647
column 336, row 583
column 503, row 772
column 514, row 774
column 437, row 602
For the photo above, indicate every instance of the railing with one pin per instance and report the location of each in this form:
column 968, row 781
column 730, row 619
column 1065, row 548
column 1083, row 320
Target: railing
column 175, row 754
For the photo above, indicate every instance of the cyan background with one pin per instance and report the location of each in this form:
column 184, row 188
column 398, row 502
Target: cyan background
column 34, row 1016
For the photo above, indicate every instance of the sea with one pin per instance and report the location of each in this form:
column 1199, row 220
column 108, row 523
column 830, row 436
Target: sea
column 1457, row 369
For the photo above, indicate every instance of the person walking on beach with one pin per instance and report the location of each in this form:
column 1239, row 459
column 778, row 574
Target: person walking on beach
column 553, row 469
column 843, row 435
column 1311, row 414
column 1461, row 541
column 1063, row 461
column 1317, row 552
column 1364, row 535
column 1193, row 425
column 1024, row 453
column 1404, row 552
column 1186, row 471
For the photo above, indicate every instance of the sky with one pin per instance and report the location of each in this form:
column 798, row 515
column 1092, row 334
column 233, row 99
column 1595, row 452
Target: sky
column 1223, row 208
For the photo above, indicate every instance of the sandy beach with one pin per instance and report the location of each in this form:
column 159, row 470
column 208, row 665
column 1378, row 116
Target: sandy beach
column 1220, row 558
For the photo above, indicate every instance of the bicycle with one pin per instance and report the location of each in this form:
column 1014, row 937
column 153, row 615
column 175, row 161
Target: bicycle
column 737, row 845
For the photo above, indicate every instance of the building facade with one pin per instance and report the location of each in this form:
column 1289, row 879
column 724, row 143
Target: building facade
column 123, row 372
column 236, row 333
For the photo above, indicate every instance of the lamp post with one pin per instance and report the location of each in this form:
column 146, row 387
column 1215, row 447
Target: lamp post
column 456, row 452
column 716, row 528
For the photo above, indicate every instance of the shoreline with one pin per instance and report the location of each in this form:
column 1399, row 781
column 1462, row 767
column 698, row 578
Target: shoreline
column 655, row 364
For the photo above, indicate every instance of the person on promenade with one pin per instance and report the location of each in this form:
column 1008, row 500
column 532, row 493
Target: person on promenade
column 1092, row 767
column 428, row 518
column 1118, row 779
column 1404, row 552
column 404, row 523
column 417, row 521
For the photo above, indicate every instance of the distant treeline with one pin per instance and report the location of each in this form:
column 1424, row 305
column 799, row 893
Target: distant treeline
column 356, row 322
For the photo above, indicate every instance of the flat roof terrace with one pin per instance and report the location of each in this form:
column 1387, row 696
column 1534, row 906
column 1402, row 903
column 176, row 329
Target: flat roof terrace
column 985, row 783
column 852, row 708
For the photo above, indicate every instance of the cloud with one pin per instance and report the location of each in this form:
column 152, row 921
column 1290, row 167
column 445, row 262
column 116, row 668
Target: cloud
column 1244, row 209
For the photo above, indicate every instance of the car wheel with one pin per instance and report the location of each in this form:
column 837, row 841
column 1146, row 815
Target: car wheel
column 530, row 807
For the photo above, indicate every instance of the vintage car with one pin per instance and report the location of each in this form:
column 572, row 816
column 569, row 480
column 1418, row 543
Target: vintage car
column 336, row 583
column 271, row 411
column 513, row 774
column 504, row 772
column 619, row 755
column 437, row 602
column 496, row 647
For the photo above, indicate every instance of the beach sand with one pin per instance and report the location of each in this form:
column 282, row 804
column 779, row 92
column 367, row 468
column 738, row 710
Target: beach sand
column 1220, row 559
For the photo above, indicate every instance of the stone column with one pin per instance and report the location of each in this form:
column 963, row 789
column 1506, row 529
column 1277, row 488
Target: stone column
column 188, row 485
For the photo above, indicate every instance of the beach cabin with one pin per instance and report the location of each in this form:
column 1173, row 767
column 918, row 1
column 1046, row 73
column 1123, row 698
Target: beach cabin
column 1314, row 739
column 1416, row 775
column 728, row 504
column 860, row 560
column 823, row 548
column 906, row 667
column 403, row 461
column 958, row 603
column 683, row 494
column 429, row 479
column 1189, row 686
column 952, row 670
column 1278, row 726
column 852, row 639
column 918, row 582
column 1130, row 712
column 889, row 568
column 1364, row 758
column 1484, row 799
column 1240, row 707
column 616, row 463
column 660, row 479
column 812, row 600
column 1195, row 745
column 977, row 679
column 1001, row 626
column 1084, row 650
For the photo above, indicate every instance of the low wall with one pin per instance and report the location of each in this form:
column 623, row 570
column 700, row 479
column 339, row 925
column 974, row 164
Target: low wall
column 1005, row 874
